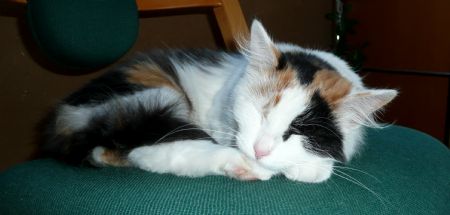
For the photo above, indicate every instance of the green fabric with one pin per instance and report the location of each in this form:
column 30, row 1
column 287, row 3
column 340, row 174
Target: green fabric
column 83, row 33
column 409, row 174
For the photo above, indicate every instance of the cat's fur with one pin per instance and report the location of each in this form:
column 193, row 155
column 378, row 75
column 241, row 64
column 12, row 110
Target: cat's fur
column 273, row 108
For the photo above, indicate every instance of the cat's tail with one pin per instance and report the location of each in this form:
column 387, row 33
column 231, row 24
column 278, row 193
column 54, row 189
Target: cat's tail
column 73, row 132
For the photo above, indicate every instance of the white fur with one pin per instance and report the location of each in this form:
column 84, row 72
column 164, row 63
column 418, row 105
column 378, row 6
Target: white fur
column 201, row 84
column 96, row 156
column 72, row 118
column 196, row 158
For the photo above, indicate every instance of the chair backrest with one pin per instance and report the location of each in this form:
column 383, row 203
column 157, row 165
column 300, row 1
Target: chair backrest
column 83, row 33
column 95, row 33
column 227, row 14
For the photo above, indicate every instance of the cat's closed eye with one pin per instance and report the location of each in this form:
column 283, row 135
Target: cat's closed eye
column 292, row 130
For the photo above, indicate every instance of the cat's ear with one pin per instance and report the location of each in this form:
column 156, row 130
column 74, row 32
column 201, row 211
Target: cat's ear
column 262, row 50
column 360, row 107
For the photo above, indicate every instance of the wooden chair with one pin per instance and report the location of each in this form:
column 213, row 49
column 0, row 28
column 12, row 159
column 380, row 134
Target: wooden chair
column 227, row 14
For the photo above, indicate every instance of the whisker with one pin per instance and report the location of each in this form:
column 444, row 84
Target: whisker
column 171, row 132
column 179, row 129
column 345, row 176
column 359, row 183
column 360, row 171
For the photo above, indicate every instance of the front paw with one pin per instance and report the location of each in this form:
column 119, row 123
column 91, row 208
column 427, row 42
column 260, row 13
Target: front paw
column 313, row 173
column 245, row 169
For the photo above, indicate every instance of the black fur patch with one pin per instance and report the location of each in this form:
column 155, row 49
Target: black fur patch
column 122, row 131
column 306, row 65
column 282, row 62
column 318, row 125
column 105, row 87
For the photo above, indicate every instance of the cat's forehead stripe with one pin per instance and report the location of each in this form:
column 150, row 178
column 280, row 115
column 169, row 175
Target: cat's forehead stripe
column 284, row 80
column 276, row 82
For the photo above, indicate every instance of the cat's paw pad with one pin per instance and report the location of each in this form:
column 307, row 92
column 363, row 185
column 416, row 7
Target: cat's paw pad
column 240, row 171
column 246, row 169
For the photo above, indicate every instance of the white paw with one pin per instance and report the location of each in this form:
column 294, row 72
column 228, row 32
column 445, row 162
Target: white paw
column 96, row 156
column 309, row 173
column 243, row 168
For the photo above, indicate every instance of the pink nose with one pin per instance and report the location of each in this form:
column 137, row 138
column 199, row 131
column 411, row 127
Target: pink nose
column 259, row 153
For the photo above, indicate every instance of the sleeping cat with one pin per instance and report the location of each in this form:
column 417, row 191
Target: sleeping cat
column 273, row 108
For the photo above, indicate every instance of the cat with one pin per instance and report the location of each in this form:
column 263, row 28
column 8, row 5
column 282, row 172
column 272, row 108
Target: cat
column 269, row 109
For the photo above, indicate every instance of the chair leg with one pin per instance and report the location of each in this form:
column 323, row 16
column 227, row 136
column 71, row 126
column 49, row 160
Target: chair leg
column 231, row 22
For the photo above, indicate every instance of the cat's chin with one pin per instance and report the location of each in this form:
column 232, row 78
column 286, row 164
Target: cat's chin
column 314, row 173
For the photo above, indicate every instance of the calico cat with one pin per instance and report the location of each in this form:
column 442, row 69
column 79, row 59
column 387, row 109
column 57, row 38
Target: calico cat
column 273, row 108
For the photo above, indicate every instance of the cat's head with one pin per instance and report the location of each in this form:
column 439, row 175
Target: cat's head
column 298, row 110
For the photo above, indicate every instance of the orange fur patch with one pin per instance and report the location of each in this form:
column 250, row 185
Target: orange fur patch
column 277, row 82
column 276, row 52
column 331, row 85
column 285, row 79
column 277, row 99
column 150, row 75
column 114, row 158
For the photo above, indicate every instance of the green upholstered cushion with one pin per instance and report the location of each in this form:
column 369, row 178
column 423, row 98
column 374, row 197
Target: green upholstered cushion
column 83, row 33
column 409, row 174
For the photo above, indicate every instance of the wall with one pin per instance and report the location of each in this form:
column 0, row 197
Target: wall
column 407, row 35
column 30, row 85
